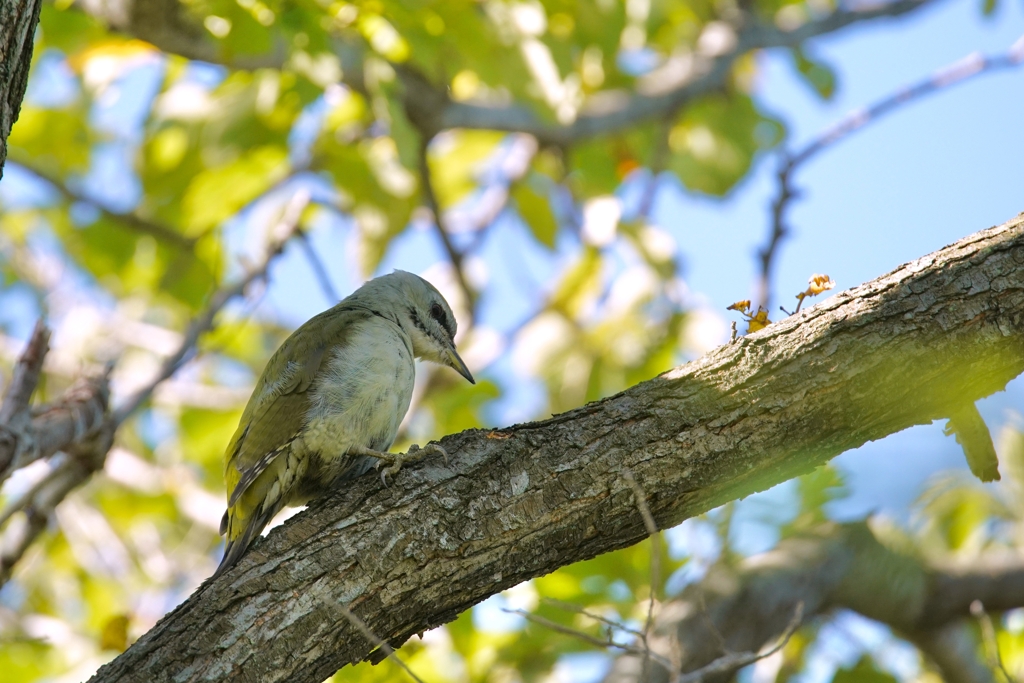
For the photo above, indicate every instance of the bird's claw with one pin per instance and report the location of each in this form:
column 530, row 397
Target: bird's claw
column 398, row 460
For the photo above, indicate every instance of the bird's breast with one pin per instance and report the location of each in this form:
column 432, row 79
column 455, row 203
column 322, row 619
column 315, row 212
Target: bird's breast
column 363, row 393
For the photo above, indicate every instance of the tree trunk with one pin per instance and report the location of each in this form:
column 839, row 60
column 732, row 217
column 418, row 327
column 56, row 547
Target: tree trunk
column 516, row 503
column 18, row 21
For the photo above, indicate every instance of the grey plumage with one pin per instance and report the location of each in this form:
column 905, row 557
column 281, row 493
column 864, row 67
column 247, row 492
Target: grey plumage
column 331, row 399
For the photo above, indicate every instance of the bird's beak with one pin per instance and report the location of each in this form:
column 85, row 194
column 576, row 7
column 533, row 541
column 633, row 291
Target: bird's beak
column 456, row 362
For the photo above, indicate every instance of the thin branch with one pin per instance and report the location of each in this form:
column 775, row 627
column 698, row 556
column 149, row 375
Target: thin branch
column 129, row 219
column 323, row 278
column 974, row 64
column 76, row 416
column 652, row 531
column 285, row 229
column 377, row 642
column 58, row 483
column 576, row 609
column 454, row 255
column 26, row 498
column 589, row 639
column 734, row 661
column 14, row 413
column 163, row 24
column 706, row 616
column 658, row 162
column 988, row 634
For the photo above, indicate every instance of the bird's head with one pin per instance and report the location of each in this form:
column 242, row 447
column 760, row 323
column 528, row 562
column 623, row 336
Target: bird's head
column 424, row 315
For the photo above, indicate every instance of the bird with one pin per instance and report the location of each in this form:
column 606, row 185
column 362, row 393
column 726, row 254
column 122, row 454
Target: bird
column 328, row 404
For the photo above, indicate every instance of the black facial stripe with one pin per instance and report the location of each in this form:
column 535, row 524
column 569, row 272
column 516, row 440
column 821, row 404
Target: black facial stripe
column 439, row 314
column 417, row 322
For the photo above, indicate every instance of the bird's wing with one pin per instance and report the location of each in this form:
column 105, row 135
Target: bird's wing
column 279, row 405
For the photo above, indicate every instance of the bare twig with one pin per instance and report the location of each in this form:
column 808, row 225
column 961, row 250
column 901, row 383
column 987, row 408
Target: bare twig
column 639, row 651
column 14, row 413
column 569, row 607
column 733, row 661
column 319, row 270
column 988, row 634
column 73, row 424
column 706, row 616
column 454, row 255
column 285, row 229
column 652, row 531
column 659, row 159
column 960, row 71
column 378, row 642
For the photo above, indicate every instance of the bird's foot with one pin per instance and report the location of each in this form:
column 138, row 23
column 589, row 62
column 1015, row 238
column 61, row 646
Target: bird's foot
column 397, row 460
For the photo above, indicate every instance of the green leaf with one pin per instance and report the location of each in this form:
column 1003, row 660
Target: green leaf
column 204, row 436
column 58, row 141
column 27, row 660
column 218, row 193
column 714, row 142
column 817, row 74
column 864, row 671
column 817, row 489
column 455, row 161
column 535, row 210
column 580, row 284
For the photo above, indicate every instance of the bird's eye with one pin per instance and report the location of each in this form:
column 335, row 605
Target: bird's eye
column 437, row 313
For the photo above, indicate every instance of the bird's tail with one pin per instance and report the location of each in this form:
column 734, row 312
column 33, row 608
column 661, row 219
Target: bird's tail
column 238, row 543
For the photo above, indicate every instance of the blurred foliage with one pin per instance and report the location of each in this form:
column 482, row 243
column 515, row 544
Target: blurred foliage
column 161, row 176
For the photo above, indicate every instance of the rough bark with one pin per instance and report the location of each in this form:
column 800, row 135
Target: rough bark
column 75, row 425
column 520, row 502
column 833, row 567
column 18, row 21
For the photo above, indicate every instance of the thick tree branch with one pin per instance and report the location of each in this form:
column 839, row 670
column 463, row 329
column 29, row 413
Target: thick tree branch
column 833, row 567
column 18, row 21
column 520, row 502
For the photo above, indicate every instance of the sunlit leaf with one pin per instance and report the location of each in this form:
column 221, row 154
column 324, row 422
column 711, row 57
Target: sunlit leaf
column 535, row 210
